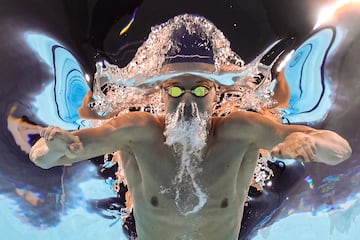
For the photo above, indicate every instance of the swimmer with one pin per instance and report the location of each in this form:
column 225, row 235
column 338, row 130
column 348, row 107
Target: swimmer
column 228, row 158
column 189, row 172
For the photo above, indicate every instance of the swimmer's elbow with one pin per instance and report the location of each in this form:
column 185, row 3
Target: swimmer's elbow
column 44, row 166
column 39, row 161
column 337, row 156
column 347, row 152
column 343, row 153
column 34, row 156
column 336, row 160
column 332, row 149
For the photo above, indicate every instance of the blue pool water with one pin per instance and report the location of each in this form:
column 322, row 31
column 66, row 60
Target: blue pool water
column 78, row 223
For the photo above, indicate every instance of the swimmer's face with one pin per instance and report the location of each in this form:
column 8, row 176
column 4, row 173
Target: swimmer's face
column 189, row 89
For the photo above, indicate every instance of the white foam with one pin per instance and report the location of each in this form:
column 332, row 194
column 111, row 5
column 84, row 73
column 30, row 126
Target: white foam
column 137, row 85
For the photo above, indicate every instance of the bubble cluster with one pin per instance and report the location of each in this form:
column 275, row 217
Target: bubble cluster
column 137, row 86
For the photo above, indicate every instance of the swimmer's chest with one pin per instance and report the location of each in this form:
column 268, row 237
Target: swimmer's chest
column 157, row 162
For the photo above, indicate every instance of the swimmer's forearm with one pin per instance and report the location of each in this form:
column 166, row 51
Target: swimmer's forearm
column 331, row 148
column 58, row 146
column 80, row 145
column 43, row 157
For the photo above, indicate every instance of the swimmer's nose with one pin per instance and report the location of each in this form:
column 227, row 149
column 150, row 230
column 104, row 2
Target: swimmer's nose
column 188, row 111
column 188, row 100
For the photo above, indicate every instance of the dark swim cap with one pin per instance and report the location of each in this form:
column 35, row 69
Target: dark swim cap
column 190, row 46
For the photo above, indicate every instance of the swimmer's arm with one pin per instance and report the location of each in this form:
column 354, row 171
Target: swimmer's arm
column 303, row 143
column 330, row 148
column 60, row 147
column 289, row 141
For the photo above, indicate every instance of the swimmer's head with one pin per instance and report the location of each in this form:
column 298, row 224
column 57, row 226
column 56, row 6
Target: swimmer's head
column 184, row 46
column 193, row 49
column 190, row 56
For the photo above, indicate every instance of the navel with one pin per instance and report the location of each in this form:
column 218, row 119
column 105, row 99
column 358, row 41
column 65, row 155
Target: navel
column 224, row 203
column 154, row 201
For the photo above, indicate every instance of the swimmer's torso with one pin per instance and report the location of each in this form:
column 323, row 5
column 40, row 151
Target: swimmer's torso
column 150, row 167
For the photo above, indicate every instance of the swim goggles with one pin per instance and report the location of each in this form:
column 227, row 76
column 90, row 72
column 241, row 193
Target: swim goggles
column 176, row 91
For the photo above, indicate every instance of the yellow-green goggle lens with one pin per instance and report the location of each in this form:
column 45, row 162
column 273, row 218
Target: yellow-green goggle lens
column 175, row 91
column 200, row 91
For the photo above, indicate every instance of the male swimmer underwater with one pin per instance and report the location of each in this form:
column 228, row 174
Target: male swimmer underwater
column 188, row 171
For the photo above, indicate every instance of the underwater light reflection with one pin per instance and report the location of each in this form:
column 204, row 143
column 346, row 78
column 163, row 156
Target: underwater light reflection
column 310, row 90
column 64, row 94
column 327, row 12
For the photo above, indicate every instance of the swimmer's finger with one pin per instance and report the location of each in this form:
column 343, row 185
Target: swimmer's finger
column 74, row 150
column 63, row 135
column 309, row 153
column 312, row 151
column 49, row 133
column 306, row 153
column 301, row 157
column 277, row 151
column 45, row 133
column 312, row 156
column 274, row 152
column 298, row 153
column 42, row 133
column 282, row 151
column 76, row 147
column 53, row 132
column 68, row 136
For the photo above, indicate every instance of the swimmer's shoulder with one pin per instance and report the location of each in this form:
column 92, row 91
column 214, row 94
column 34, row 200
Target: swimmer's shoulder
column 243, row 117
column 240, row 124
column 136, row 119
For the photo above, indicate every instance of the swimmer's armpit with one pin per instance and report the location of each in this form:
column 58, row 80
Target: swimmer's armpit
column 282, row 91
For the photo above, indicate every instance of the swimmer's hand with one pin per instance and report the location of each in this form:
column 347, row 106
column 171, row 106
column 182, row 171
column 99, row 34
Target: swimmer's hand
column 299, row 146
column 60, row 140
